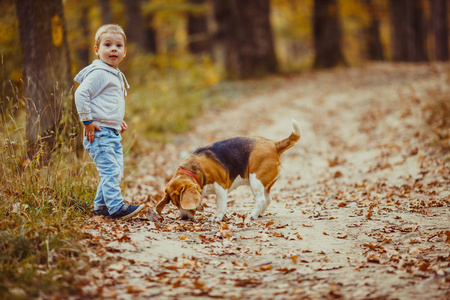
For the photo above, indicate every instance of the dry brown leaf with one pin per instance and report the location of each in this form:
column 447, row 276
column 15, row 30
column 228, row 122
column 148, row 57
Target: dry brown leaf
column 294, row 258
column 286, row 270
column 135, row 289
column 266, row 267
column 337, row 174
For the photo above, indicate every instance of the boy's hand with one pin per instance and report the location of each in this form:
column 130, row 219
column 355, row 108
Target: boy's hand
column 124, row 127
column 89, row 131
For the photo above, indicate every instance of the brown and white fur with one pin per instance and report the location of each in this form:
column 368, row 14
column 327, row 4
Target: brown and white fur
column 223, row 166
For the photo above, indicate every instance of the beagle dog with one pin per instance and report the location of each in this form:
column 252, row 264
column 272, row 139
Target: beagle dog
column 223, row 166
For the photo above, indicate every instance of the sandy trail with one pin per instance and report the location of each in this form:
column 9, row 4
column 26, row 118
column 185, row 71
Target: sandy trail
column 361, row 212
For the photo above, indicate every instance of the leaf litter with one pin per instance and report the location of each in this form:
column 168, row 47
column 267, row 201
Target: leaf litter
column 361, row 212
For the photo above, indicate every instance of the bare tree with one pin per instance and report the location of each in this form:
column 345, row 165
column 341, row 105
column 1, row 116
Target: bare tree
column 46, row 69
column 327, row 34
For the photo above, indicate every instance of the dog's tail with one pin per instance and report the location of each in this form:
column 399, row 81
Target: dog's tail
column 290, row 141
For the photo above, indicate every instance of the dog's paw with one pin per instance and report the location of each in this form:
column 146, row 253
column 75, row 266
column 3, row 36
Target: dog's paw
column 216, row 218
column 253, row 216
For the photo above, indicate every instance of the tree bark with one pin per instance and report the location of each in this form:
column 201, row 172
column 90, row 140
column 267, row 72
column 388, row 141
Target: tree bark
column 46, row 70
column 150, row 33
column 199, row 42
column 106, row 11
column 245, row 32
column 84, row 44
column 224, row 34
column 439, row 23
column 139, row 29
column 408, row 30
column 419, row 34
column 327, row 35
column 373, row 44
column 399, row 20
column 135, row 29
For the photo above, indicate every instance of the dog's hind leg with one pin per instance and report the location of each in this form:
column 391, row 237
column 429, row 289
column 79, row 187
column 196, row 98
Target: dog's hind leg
column 260, row 200
column 268, row 198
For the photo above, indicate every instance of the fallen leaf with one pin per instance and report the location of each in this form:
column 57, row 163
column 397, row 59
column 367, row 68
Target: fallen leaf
column 266, row 267
column 135, row 289
column 338, row 174
column 286, row 270
column 294, row 258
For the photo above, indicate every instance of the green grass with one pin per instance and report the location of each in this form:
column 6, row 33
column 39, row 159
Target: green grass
column 41, row 208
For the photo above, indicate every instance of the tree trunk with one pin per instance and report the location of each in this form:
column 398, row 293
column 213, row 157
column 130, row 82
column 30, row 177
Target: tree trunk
column 84, row 44
column 419, row 33
column 373, row 44
column 245, row 32
column 150, row 33
column 106, row 11
column 223, row 37
column 139, row 29
column 46, row 69
column 256, row 51
column 409, row 30
column 135, row 28
column 439, row 23
column 198, row 30
column 327, row 35
column 399, row 20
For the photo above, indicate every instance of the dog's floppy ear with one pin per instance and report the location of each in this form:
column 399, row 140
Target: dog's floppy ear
column 162, row 203
column 190, row 198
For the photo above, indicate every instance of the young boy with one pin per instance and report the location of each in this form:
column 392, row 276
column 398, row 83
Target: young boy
column 100, row 101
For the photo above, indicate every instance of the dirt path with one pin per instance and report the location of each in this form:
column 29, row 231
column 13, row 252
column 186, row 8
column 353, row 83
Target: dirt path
column 362, row 211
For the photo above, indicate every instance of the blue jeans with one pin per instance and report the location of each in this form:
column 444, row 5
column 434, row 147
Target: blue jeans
column 107, row 152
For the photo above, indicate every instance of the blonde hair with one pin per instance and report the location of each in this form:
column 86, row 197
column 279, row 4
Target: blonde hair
column 113, row 28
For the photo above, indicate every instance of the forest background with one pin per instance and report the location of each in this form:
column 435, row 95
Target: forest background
column 184, row 57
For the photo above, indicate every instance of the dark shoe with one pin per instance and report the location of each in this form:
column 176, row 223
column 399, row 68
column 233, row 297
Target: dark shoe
column 102, row 211
column 127, row 211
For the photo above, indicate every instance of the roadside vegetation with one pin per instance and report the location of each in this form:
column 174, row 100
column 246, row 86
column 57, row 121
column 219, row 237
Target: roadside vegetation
column 42, row 207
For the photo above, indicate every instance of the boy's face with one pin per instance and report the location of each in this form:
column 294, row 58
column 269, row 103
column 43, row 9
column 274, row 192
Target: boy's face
column 111, row 49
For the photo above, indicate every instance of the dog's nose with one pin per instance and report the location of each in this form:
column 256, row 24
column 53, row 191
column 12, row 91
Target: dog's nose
column 184, row 217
